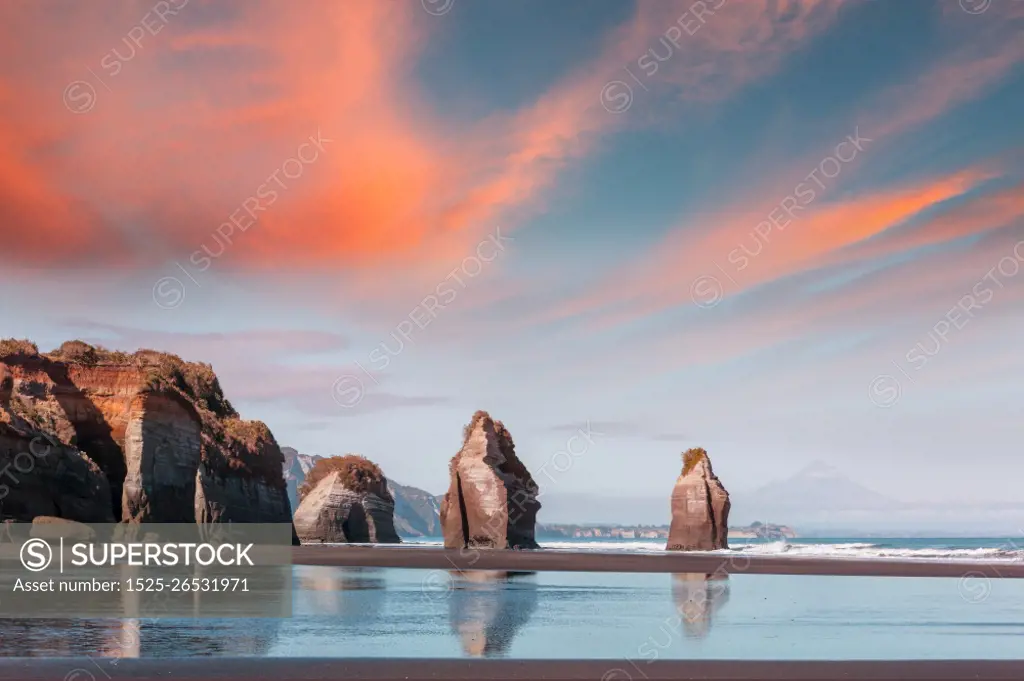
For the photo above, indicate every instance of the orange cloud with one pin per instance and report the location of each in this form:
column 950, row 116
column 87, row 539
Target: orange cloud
column 968, row 285
column 668, row 46
column 189, row 123
column 741, row 248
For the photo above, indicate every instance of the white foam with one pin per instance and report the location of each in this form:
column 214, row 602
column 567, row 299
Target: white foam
column 860, row 550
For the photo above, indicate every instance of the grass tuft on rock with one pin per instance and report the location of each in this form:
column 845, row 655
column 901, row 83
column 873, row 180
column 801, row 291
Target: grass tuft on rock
column 692, row 457
column 357, row 473
column 14, row 347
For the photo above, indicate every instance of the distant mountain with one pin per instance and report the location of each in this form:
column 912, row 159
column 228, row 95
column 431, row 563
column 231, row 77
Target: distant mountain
column 296, row 467
column 817, row 492
column 416, row 511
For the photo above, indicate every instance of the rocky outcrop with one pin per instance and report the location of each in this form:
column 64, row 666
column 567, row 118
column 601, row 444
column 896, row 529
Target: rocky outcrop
column 46, row 478
column 48, row 527
column 492, row 499
column 168, row 443
column 700, row 507
column 416, row 510
column 39, row 474
column 240, row 479
column 345, row 499
column 162, row 450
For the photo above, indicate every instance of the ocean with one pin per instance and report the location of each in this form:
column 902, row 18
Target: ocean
column 944, row 549
column 636, row 617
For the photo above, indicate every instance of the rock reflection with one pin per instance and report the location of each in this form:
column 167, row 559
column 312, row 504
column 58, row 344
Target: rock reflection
column 698, row 597
column 130, row 638
column 339, row 591
column 488, row 608
column 56, row 637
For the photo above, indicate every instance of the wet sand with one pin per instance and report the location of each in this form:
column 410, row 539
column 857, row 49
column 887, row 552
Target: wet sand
column 593, row 561
column 246, row 669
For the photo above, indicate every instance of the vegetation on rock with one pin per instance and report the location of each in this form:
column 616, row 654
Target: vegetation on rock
column 692, row 457
column 10, row 347
column 230, row 445
column 355, row 472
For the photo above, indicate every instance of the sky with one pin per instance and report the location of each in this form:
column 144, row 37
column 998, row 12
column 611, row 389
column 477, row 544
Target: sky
column 788, row 232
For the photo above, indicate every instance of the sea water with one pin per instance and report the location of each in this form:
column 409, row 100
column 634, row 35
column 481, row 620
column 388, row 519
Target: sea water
column 636, row 617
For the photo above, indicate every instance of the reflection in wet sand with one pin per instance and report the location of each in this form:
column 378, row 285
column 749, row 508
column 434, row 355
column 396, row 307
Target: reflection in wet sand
column 698, row 597
column 130, row 638
column 488, row 608
column 125, row 641
column 328, row 591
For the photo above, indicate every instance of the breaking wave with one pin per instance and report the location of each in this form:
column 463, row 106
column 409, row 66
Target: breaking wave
column 1007, row 552
column 945, row 550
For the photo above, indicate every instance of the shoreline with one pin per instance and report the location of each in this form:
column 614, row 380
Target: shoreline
column 415, row 669
column 541, row 560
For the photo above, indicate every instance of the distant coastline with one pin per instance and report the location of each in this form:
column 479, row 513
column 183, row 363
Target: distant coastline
column 755, row 530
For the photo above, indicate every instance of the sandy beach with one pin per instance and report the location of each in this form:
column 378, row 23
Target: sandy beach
column 593, row 561
column 239, row 669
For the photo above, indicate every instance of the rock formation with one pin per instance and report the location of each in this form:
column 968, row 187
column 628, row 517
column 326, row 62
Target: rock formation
column 416, row 511
column 47, row 526
column 166, row 443
column 240, row 478
column 492, row 499
column 41, row 475
column 700, row 507
column 345, row 499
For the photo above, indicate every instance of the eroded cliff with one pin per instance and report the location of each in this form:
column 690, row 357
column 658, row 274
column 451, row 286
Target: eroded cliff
column 40, row 475
column 492, row 498
column 345, row 499
column 169, row 444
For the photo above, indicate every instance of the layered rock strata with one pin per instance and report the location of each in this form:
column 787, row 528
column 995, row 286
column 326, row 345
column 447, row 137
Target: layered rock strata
column 39, row 474
column 700, row 507
column 492, row 498
column 167, row 443
column 345, row 499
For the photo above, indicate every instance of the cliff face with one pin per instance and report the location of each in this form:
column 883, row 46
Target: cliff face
column 240, row 477
column 700, row 507
column 169, row 445
column 345, row 499
column 162, row 448
column 42, row 476
column 492, row 499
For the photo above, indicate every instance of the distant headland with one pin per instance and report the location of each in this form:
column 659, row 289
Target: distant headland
column 755, row 530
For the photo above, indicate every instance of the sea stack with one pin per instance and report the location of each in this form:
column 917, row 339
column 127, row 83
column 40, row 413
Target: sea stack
column 491, row 501
column 700, row 507
column 345, row 499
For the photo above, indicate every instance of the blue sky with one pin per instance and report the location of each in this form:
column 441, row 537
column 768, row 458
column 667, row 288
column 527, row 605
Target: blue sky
column 798, row 239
